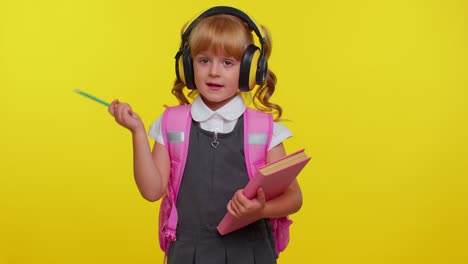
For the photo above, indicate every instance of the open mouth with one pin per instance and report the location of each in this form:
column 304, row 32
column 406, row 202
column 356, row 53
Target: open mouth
column 215, row 86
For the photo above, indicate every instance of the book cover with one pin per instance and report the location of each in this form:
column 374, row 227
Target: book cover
column 274, row 178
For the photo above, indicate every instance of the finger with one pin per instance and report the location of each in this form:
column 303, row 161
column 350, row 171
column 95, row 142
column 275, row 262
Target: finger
column 236, row 206
column 117, row 109
column 112, row 106
column 231, row 210
column 240, row 197
column 122, row 111
column 261, row 195
column 118, row 106
column 131, row 113
column 126, row 111
column 134, row 115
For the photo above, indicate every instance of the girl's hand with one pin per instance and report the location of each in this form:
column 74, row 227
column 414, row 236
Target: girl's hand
column 241, row 207
column 123, row 114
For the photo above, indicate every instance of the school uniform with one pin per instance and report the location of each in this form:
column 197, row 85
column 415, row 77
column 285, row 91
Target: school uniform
column 213, row 173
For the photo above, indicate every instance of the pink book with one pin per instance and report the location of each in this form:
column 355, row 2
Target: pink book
column 274, row 178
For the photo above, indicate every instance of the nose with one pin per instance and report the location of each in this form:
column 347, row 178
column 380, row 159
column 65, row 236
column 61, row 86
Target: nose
column 214, row 69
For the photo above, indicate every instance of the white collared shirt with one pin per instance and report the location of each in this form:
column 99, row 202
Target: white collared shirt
column 223, row 120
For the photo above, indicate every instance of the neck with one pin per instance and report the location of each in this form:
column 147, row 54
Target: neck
column 217, row 105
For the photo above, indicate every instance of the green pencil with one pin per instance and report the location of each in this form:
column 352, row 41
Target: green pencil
column 92, row 97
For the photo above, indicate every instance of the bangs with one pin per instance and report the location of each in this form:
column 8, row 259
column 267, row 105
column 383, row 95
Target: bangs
column 221, row 34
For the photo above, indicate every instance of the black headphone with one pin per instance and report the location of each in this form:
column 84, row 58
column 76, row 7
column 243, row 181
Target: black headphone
column 253, row 65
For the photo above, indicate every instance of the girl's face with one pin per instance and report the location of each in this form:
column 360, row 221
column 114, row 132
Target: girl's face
column 216, row 78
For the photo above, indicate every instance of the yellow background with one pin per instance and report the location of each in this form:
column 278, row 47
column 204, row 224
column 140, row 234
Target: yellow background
column 376, row 92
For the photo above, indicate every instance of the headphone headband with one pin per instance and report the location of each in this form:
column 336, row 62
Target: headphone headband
column 229, row 11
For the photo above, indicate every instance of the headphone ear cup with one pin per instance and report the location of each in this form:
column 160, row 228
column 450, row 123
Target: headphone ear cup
column 262, row 70
column 249, row 68
column 179, row 67
column 188, row 70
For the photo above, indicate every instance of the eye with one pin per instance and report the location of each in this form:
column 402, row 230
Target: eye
column 203, row 60
column 228, row 63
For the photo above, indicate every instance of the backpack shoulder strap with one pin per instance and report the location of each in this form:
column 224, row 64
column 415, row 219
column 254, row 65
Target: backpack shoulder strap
column 175, row 128
column 258, row 130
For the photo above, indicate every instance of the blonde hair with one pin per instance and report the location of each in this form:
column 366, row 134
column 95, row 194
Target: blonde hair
column 229, row 34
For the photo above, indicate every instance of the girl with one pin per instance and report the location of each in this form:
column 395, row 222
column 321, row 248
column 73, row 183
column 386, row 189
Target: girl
column 217, row 60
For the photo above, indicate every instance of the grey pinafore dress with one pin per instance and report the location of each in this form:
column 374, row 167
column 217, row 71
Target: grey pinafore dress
column 211, row 177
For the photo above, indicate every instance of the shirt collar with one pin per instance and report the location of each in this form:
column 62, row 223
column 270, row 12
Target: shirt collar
column 230, row 111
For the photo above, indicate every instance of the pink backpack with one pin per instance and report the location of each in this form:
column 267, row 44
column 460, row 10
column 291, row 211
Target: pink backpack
column 258, row 128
